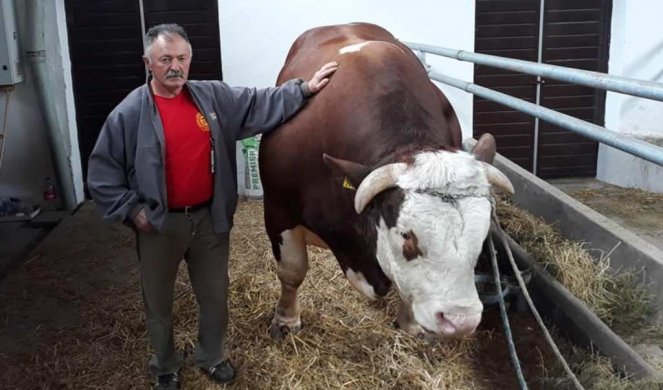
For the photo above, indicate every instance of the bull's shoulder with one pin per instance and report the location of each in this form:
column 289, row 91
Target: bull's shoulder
column 324, row 44
column 337, row 36
column 342, row 34
column 361, row 30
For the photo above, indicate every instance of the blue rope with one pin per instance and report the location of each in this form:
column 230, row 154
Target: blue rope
column 535, row 312
column 505, row 319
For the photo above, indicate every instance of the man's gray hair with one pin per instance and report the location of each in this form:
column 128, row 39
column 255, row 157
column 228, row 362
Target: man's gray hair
column 167, row 30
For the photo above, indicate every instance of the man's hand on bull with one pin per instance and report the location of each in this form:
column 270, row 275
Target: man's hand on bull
column 321, row 77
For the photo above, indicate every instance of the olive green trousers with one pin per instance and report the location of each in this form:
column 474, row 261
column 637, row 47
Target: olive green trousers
column 190, row 237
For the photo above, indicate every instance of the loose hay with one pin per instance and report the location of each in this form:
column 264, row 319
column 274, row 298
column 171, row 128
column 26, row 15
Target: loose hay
column 618, row 299
column 346, row 342
column 91, row 334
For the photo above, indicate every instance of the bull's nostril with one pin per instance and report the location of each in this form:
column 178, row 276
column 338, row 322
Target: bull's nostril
column 443, row 324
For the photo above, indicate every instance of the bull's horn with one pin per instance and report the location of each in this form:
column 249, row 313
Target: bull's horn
column 498, row 179
column 377, row 181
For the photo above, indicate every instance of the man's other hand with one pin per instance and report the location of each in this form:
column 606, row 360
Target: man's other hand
column 141, row 222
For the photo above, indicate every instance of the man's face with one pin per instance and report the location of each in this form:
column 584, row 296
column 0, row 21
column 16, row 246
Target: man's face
column 168, row 59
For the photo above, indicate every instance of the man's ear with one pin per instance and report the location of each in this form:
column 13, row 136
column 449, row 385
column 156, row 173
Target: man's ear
column 146, row 61
column 353, row 171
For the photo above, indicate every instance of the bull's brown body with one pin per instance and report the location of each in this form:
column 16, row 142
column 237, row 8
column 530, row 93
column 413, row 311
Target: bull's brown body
column 379, row 107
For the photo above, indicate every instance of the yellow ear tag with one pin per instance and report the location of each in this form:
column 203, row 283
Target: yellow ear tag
column 348, row 185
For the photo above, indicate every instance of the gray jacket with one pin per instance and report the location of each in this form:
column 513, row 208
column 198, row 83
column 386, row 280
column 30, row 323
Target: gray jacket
column 126, row 170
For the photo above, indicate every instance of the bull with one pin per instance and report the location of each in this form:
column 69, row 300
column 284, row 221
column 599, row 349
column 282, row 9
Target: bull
column 373, row 170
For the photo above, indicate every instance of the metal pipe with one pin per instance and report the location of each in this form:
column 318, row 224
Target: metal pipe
column 537, row 121
column 37, row 55
column 634, row 87
column 628, row 144
column 143, row 30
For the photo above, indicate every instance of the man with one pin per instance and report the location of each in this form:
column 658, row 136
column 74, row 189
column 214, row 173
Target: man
column 164, row 163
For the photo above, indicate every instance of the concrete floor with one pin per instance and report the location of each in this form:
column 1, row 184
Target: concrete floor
column 72, row 315
column 17, row 239
column 640, row 212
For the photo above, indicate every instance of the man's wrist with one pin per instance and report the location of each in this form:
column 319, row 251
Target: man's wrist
column 303, row 86
column 133, row 211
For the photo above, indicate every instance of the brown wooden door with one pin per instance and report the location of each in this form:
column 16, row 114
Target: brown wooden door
column 106, row 49
column 507, row 29
column 575, row 34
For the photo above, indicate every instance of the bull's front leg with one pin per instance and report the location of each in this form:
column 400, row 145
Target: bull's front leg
column 291, row 267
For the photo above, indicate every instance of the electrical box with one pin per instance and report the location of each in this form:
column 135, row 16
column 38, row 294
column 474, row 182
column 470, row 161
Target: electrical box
column 11, row 68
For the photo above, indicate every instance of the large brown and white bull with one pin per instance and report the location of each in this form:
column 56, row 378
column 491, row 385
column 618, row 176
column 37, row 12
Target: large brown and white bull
column 421, row 209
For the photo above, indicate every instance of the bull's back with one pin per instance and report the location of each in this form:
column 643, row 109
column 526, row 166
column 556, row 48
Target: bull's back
column 298, row 145
column 319, row 45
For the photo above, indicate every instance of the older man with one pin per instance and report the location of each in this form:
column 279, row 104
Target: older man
column 164, row 163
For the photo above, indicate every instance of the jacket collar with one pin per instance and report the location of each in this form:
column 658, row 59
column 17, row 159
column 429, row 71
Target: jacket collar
column 150, row 93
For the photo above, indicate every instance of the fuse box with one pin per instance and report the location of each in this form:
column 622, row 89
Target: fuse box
column 11, row 68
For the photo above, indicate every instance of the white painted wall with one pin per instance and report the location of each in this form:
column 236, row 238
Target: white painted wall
column 27, row 159
column 64, row 89
column 256, row 36
column 636, row 50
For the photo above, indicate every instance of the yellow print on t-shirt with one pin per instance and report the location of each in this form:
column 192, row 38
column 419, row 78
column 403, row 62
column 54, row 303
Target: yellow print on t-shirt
column 201, row 122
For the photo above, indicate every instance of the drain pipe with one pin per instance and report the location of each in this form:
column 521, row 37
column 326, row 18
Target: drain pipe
column 37, row 56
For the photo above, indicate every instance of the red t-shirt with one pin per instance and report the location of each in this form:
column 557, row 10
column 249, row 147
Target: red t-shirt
column 189, row 179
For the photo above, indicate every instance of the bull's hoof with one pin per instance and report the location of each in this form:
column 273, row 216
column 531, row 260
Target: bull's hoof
column 279, row 332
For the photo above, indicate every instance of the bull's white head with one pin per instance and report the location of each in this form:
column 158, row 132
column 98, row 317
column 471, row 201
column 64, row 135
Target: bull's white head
column 430, row 249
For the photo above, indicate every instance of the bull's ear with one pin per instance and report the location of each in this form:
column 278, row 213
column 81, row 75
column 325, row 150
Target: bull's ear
column 355, row 172
column 485, row 148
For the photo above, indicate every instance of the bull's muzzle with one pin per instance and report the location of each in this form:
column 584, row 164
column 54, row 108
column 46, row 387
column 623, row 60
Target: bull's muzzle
column 457, row 325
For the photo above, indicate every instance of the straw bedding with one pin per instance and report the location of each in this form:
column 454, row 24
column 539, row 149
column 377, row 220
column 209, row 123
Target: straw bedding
column 72, row 319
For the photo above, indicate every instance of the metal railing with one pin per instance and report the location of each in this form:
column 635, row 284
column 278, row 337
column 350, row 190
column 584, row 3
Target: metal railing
column 640, row 88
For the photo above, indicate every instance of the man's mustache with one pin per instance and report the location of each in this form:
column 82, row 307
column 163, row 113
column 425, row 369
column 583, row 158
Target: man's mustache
column 174, row 73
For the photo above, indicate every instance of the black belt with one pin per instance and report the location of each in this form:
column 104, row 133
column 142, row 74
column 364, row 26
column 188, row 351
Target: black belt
column 190, row 209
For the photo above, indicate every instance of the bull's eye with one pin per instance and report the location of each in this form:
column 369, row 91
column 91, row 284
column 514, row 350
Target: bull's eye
column 410, row 246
